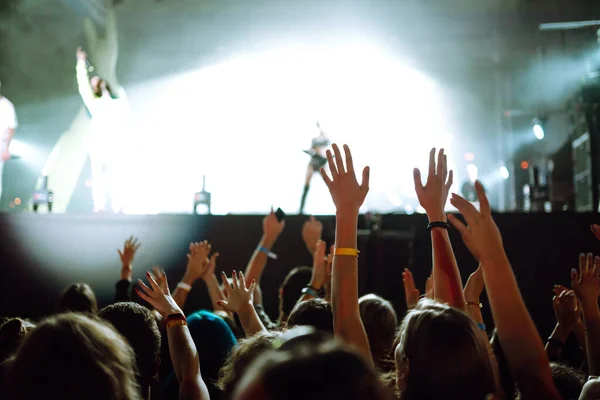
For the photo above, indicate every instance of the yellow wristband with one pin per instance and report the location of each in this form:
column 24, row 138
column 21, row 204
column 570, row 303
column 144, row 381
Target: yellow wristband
column 176, row 322
column 345, row 252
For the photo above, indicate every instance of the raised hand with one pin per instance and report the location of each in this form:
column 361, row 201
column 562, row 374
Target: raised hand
column 411, row 292
column 474, row 286
column 238, row 295
column 311, row 233
column 482, row 236
column 566, row 310
column 586, row 283
column 210, row 267
column 127, row 255
column 160, row 277
column 271, row 227
column 346, row 193
column 158, row 295
column 198, row 261
column 319, row 272
column 434, row 194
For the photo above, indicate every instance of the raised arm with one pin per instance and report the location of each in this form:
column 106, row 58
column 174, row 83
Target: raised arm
column 567, row 313
column 319, row 273
column 472, row 292
column 311, row 234
column 586, row 285
column 127, row 255
column 411, row 293
column 446, row 276
column 182, row 349
column 348, row 196
column 271, row 231
column 520, row 340
column 83, row 79
column 212, row 284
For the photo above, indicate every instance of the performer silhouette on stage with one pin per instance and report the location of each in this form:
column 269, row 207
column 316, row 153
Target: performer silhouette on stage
column 108, row 111
column 317, row 161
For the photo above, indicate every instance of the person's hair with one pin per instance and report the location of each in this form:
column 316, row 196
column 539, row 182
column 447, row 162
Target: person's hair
column 12, row 332
column 314, row 312
column 381, row 323
column 79, row 297
column 324, row 371
column 291, row 288
column 240, row 358
column 443, row 354
column 568, row 381
column 138, row 326
column 73, row 356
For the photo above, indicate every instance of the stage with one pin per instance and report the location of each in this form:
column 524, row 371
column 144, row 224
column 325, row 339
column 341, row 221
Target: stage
column 42, row 254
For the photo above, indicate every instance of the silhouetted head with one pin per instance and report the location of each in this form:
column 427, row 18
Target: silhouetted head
column 380, row 321
column 443, row 354
column 314, row 312
column 291, row 289
column 78, row 297
column 12, row 332
column 73, row 356
column 138, row 326
column 311, row 369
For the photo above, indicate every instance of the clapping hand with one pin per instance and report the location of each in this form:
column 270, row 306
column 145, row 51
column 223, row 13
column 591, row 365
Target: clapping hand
column 347, row 195
column 210, row 267
column 198, row 261
column 411, row 292
column 566, row 310
column 238, row 295
column 158, row 294
column 434, row 194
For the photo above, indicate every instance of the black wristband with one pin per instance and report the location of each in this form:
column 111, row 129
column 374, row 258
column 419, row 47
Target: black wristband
column 438, row 224
column 555, row 342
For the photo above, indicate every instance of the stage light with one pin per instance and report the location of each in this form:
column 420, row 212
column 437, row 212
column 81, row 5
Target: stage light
column 524, row 165
column 504, row 172
column 538, row 128
column 472, row 172
column 470, row 157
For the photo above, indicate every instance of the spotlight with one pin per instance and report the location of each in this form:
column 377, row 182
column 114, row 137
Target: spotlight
column 504, row 172
column 538, row 128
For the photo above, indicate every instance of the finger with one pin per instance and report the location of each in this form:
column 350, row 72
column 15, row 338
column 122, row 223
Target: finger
column 467, row 209
column 144, row 296
column 349, row 162
column 445, row 168
column 165, row 281
column 581, row 263
column 225, row 281
column 325, row 177
column 225, row 306
column 241, row 280
column 252, row 286
column 213, row 258
column 332, row 167
column 440, row 163
column 484, row 203
column 120, row 253
column 408, row 280
column 418, row 182
column 339, row 161
column 460, row 227
column 431, row 163
column 235, row 283
column 589, row 261
column 596, row 267
column 558, row 289
column 555, row 301
column 152, row 281
column 364, row 184
column 450, row 180
column 145, row 288
column 312, row 218
column 574, row 278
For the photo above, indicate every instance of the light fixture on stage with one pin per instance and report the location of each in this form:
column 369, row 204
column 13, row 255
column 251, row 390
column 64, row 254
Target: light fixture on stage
column 504, row 172
column 43, row 196
column 538, row 128
column 202, row 198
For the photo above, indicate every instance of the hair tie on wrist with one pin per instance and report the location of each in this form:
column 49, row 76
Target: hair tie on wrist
column 269, row 253
column 184, row 286
column 475, row 303
column 438, row 224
